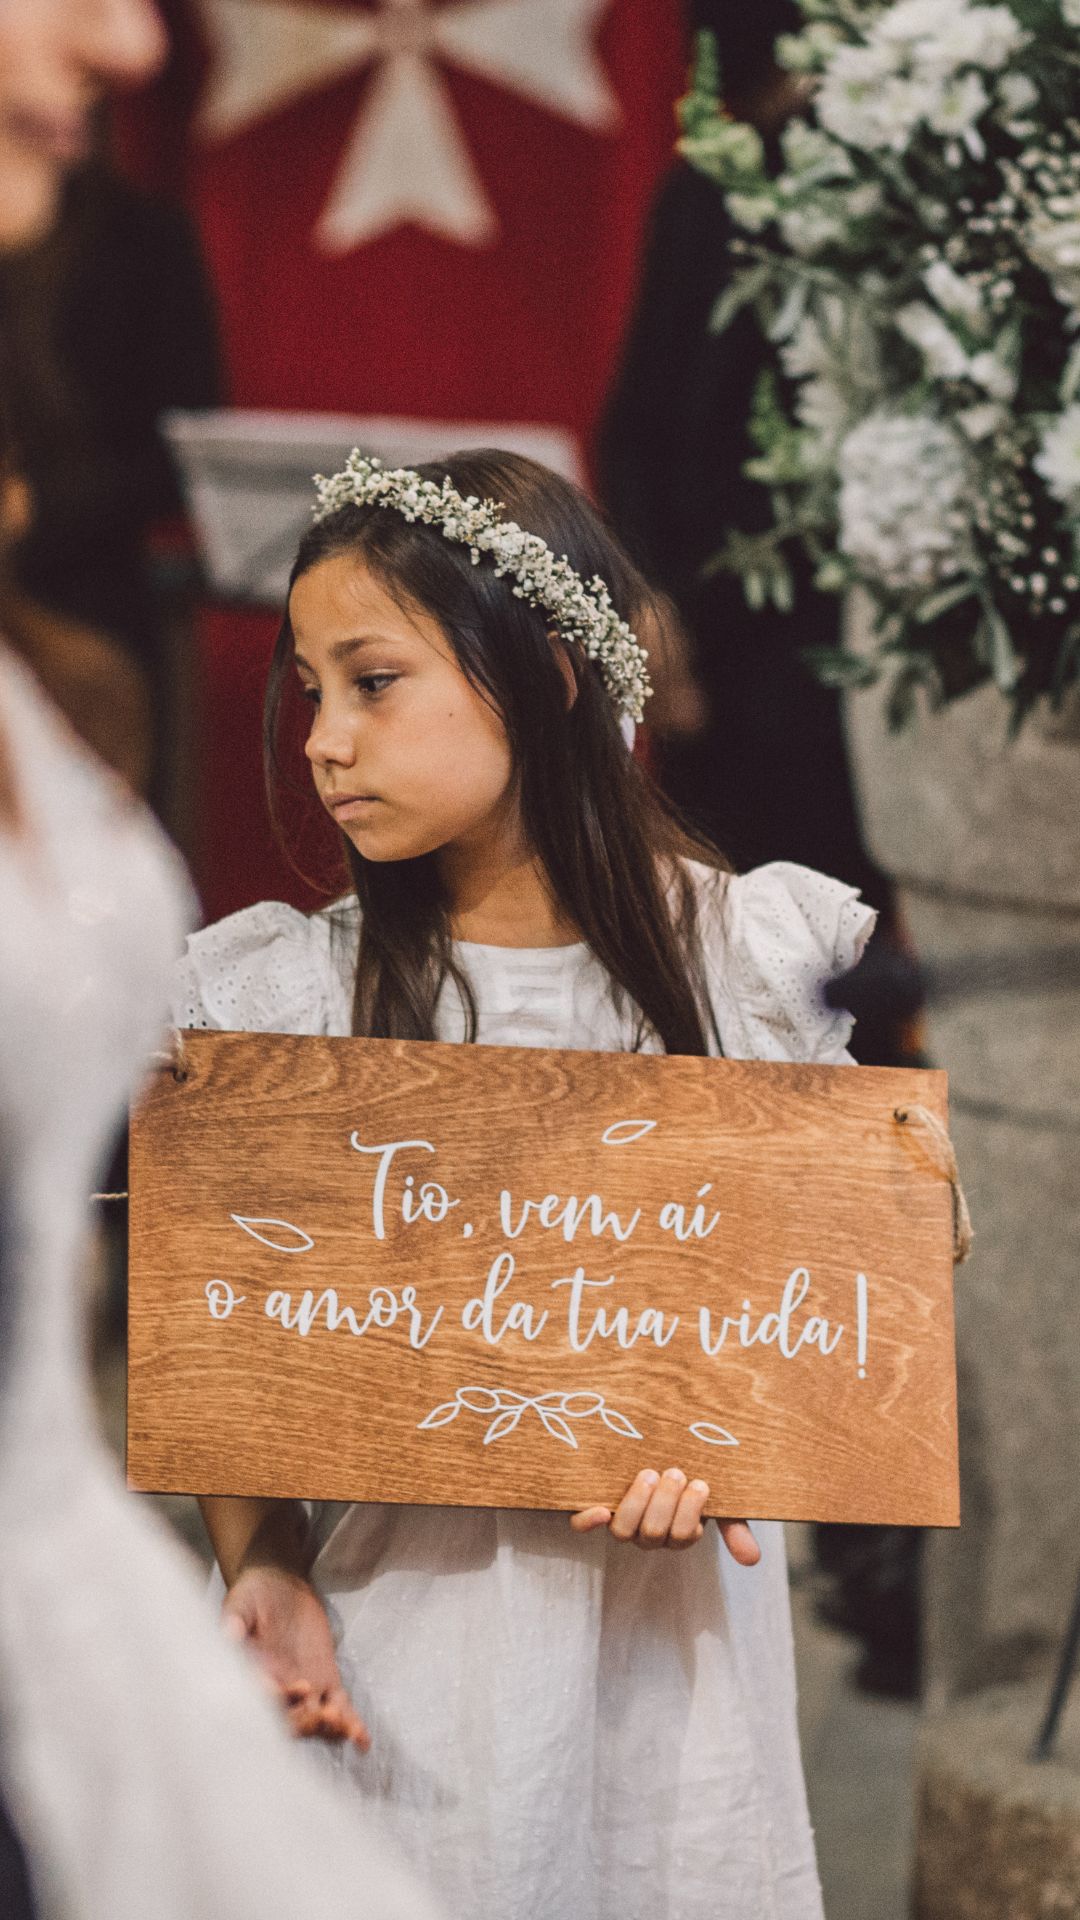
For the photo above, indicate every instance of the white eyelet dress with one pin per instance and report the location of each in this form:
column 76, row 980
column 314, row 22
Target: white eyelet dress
column 565, row 1728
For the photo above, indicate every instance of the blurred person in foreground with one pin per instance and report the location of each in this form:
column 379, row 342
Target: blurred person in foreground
column 110, row 323
column 142, row 1775
column 765, row 773
column 98, row 689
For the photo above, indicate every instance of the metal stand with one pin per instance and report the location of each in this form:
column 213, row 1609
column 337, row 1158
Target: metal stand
column 1059, row 1693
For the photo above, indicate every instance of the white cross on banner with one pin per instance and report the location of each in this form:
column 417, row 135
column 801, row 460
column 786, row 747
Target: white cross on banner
column 407, row 158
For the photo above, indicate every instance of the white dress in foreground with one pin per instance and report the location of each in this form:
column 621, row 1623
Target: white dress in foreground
column 147, row 1775
column 565, row 1728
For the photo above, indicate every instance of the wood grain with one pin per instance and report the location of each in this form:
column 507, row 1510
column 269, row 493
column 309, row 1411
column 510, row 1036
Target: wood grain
column 806, row 1167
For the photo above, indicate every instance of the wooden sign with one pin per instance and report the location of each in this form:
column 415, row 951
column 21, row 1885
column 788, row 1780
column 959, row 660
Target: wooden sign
column 493, row 1276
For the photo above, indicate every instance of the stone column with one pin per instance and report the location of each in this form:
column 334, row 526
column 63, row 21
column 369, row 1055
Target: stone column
column 983, row 836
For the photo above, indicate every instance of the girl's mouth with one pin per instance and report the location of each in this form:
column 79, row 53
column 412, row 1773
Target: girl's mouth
column 349, row 806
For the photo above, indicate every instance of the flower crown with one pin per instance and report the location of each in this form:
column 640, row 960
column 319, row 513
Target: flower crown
column 581, row 612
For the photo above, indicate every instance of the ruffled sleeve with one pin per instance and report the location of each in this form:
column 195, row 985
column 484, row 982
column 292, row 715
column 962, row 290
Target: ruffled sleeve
column 264, row 970
column 773, row 938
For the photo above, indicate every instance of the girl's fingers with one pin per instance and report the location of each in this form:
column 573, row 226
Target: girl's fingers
column 740, row 1542
column 656, row 1521
column 590, row 1518
column 352, row 1727
column 665, row 1512
column 687, row 1527
column 301, row 1716
column 628, row 1515
column 330, row 1716
column 294, row 1691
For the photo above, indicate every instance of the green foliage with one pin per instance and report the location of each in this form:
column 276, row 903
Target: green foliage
column 913, row 265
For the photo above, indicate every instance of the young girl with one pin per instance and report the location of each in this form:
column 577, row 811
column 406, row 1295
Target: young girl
column 554, row 1726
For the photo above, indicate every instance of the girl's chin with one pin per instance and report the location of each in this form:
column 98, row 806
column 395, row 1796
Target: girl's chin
column 382, row 844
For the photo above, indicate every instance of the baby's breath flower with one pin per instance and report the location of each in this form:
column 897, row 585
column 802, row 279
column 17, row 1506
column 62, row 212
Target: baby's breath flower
column 582, row 612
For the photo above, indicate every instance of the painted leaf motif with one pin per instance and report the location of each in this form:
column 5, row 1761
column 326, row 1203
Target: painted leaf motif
column 623, row 1133
column 713, row 1436
column 503, row 1423
column 480, row 1399
column 576, row 1406
column 441, row 1416
column 619, row 1423
column 290, row 1239
column 556, row 1426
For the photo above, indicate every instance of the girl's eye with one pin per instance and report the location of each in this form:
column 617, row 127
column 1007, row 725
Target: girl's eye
column 375, row 683
column 310, row 693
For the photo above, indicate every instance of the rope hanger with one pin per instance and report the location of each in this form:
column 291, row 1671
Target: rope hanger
column 933, row 1137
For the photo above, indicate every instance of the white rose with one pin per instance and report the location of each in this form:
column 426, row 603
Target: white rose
column 913, row 20
column 958, row 106
column 1058, row 459
column 1071, row 10
column 904, row 485
column 972, row 37
column 851, row 99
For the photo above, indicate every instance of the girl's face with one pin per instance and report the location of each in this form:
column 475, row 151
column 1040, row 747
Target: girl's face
column 408, row 758
column 57, row 59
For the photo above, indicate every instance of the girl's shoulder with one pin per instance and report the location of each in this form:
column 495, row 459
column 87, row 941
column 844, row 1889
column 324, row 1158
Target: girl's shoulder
column 269, row 969
column 770, row 940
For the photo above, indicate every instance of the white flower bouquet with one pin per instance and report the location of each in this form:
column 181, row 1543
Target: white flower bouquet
column 916, row 261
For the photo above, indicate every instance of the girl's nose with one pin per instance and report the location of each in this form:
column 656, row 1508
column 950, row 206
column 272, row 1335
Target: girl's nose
column 330, row 741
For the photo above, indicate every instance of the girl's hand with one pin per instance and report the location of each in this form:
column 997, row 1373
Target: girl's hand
column 279, row 1616
column 666, row 1512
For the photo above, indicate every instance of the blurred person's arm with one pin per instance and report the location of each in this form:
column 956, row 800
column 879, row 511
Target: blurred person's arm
column 264, row 1550
column 256, row 1532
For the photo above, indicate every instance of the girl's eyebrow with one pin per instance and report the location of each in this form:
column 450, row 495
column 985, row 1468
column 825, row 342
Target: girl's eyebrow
column 344, row 649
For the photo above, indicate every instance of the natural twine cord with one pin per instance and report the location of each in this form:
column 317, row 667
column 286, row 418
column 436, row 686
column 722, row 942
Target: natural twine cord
column 174, row 1056
column 934, row 1138
column 172, row 1059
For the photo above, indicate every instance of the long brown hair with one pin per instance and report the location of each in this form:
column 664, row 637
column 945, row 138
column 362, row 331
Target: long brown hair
column 613, row 851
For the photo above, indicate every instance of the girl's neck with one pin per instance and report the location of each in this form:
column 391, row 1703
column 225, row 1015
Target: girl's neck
column 502, row 898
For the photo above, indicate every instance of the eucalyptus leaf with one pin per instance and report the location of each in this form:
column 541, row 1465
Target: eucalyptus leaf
column 743, row 291
column 901, row 697
column 1070, row 379
column 943, row 602
column 1005, row 663
column 783, row 586
column 837, row 668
